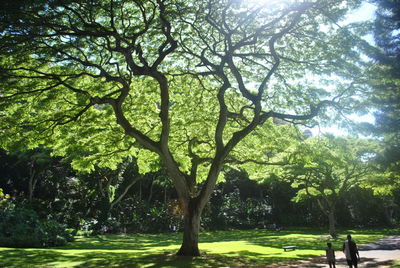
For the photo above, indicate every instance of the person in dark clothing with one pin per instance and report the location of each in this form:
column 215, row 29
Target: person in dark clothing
column 351, row 252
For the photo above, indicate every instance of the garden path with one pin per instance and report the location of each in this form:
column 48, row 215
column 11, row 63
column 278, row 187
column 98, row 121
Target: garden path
column 382, row 253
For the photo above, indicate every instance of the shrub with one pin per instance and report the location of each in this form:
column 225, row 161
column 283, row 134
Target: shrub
column 234, row 212
column 21, row 227
column 151, row 218
column 4, row 199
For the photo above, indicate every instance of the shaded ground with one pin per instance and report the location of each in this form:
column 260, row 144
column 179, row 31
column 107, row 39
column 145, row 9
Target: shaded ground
column 382, row 253
column 234, row 248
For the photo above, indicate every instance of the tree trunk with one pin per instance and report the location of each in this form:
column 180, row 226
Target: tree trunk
column 32, row 183
column 332, row 219
column 329, row 211
column 190, row 244
column 105, row 211
column 388, row 210
column 165, row 194
column 151, row 190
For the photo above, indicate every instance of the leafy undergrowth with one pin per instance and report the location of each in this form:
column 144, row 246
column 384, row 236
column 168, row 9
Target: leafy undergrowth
column 222, row 248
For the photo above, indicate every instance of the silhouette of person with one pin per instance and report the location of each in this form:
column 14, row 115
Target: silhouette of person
column 351, row 252
column 330, row 256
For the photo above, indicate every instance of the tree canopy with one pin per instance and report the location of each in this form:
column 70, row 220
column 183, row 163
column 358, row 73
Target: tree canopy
column 326, row 168
column 386, row 87
column 193, row 85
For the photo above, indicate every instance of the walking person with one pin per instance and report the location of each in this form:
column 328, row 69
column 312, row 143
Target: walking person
column 330, row 256
column 351, row 251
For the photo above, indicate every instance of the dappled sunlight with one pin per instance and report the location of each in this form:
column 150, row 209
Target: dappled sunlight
column 221, row 248
column 123, row 242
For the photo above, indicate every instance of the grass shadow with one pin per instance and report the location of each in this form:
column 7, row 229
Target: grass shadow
column 247, row 248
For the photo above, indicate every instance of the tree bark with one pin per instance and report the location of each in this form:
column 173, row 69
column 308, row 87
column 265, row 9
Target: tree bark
column 151, row 190
column 332, row 219
column 32, row 183
column 190, row 244
column 329, row 211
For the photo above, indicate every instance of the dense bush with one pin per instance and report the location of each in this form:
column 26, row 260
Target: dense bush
column 231, row 211
column 21, row 227
column 152, row 218
column 138, row 217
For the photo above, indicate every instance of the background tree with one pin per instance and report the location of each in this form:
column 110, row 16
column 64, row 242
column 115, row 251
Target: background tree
column 385, row 100
column 106, row 188
column 326, row 168
column 386, row 83
column 193, row 84
column 31, row 172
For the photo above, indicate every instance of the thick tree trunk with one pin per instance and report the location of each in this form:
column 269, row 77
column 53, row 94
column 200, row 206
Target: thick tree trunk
column 332, row 220
column 190, row 244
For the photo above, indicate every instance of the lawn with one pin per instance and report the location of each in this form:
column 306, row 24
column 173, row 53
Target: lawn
column 221, row 248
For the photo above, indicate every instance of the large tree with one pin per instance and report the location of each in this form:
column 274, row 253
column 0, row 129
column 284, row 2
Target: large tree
column 191, row 84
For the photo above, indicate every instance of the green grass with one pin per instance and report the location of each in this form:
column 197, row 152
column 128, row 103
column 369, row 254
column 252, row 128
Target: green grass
column 221, row 248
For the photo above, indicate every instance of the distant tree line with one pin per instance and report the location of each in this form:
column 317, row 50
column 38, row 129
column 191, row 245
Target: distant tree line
column 107, row 201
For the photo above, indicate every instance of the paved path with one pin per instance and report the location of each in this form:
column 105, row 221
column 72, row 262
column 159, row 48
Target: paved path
column 381, row 253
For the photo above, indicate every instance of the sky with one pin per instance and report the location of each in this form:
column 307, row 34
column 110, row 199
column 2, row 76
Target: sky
column 365, row 12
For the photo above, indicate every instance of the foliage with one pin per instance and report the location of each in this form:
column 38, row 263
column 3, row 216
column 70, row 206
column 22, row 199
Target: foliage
column 236, row 213
column 105, row 188
column 151, row 205
column 195, row 84
column 49, row 187
column 325, row 168
column 152, row 218
column 359, row 206
column 94, row 59
column 330, row 165
column 21, row 227
column 3, row 199
column 135, row 216
column 385, row 31
column 385, row 80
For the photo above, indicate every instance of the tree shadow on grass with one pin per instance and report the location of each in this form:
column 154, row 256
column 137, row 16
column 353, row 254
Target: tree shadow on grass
column 231, row 259
column 24, row 258
column 126, row 242
column 371, row 262
column 265, row 238
column 143, row 242
column 49, row 258
column 247, row 258
column 307, row 239
column 102, row 251
column 149, row 250
column 90, row 259
column 31, row 258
